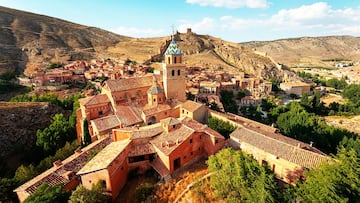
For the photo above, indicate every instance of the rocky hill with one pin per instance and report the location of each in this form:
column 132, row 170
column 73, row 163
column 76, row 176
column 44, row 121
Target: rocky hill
column 205, row 51
column 309, row 51
column 20, row 121
column 33, row 41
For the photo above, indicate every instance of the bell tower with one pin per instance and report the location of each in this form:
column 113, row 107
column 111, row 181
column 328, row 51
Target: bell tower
column 174, row 73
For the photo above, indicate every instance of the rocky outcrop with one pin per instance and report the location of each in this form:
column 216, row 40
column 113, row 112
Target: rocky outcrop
column 20, row 121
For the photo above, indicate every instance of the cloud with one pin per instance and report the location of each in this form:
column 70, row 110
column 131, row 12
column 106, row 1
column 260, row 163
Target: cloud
column 139, row 32
column 231, row 3
column 314, row 19
column 206, row 25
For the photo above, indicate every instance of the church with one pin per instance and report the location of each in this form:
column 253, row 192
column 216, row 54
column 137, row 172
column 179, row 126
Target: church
column 137, row 100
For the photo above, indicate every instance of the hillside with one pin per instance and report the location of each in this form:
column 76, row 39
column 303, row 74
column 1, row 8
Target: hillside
column 33, row 41
column 309, row 50
column 204, row 51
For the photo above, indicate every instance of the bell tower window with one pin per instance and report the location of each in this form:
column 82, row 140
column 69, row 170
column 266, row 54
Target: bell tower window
column 178, row 72
column 173, row 72
column 175, row 59
column 168, row 60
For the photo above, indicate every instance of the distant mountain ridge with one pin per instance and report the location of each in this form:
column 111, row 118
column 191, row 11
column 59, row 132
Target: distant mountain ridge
column 31, row 42
column 310, row 51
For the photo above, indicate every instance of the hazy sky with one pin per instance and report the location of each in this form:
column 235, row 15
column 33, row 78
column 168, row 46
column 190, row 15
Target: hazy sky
column 233, row 20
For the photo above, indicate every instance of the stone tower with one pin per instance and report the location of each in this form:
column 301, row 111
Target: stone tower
column 174, row 73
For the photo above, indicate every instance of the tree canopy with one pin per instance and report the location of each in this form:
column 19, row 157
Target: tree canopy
column 228, row 101
column 338, row 181
column 239, row 178
column 48, row 194
column 83, row 195
column 56, row 135
column 220, row 126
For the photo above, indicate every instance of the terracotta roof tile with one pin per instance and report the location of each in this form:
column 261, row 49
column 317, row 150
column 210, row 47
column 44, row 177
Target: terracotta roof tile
column 128, row 115
column 55, row 175
column 141, row 149
column 278, row 148
column 93, row 100
column 131, row 83
column 168, row 141
column 104, row 158
column 191, row 105
column 106, row 123
column 156, row 109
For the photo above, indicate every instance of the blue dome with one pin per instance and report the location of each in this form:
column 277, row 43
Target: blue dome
column 173, row 49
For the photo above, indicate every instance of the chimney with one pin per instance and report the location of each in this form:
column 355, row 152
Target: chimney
column 78, row 151
column 311, row 143
column 57, row 163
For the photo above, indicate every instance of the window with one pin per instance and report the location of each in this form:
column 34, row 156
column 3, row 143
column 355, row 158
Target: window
column 175, row 59
column 183, row 111
column 201, row 137
column 178, row 72
column 100, row 113
column 191, row 153
column 216, row 141
column 190, row 141
column 154, row 100
column 173, row 72
column 168, row 60
column 174, row 126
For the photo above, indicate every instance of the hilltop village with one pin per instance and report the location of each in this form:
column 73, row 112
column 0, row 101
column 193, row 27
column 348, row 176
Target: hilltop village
column 142, row 119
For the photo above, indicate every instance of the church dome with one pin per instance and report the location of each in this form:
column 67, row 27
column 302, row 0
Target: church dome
column 173, row 48
column 155, row 90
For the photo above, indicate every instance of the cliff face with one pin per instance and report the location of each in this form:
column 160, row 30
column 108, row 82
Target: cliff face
column 30, row 41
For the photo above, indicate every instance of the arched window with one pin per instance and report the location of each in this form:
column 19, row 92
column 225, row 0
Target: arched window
column 168, row 60
column 178, row 72
column 175, row 59
column 173, row 72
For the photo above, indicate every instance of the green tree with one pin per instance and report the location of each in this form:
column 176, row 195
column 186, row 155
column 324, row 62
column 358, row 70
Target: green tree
column 87, row 137
column 352, row 92
column 25, row 173
column 337, row 181
column 220, row 126
column 6, row 190
column 48, row 194
column 83, row 195
column 239, row 178
column 190, row 96
column 228, row 101
column 56, row 135
column 144, row 190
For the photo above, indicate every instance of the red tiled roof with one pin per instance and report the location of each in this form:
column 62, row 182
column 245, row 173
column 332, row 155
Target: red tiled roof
column 141, row 149
column 131, row 83
column 168, row 141
column 170, row 121
column 128, row 115
column 198, row 127
column 156, row 109
column 104, row 158
column 106, row 123
column 191, row 105
column 278, row 148
column 55, row 175
column 93, row 100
